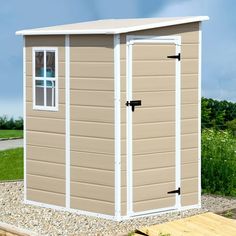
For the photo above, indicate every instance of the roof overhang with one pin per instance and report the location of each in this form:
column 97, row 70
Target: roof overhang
column 117, row 30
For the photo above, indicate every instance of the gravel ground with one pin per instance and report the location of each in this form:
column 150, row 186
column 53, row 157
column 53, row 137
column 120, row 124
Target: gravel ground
column 50, row 222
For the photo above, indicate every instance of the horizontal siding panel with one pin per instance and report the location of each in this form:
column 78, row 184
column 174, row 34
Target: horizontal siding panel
column 189, row 51
column 92, row 70
column 189, row 111
column 152, row 51
column 46, row 184
column 154, row 161
column 156, row 191
column 60, row 114
column 96, row 206
column 46, row 169
column 155, row 99
column 189, row 126
column 189, row 170
column 45, row 197
column 92, row 160
column 189, row 96
column 189, row 141
column 189, row 199
column 189, row 185
column 91, row 191
column 91, row 54
column 92, row 129
column 46, row 125
column 152, row 114
column 92, row 98
column 188, row 32
column 154, row 204
column 92, row 176
column 145, row 146
column 154, row 176
column 45, row 154
column 92, row 114
column 45, row 41
column 45, row 139
column 189, row 81
column 91, row 41
column 189, row 66
column 153, row 130
column 91, row 84
column 143, row 68
column 189, row 155
column 152, row 83
column 88, row 144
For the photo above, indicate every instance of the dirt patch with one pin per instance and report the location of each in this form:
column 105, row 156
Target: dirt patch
column 229, row 213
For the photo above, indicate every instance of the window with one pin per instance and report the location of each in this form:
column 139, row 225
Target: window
column 45, row 85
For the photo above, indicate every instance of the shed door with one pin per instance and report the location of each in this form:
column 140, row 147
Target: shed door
column 152, row 128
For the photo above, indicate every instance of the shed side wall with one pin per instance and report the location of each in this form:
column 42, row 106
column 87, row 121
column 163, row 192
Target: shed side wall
column 45, row 133
column 92, row 123
column 189, row 108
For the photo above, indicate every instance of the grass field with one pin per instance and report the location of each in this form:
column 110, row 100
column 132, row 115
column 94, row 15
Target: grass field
column 218, row 162
column 11, row 164
column 11, row 133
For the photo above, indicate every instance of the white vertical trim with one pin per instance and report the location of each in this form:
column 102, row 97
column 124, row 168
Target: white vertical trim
column 24, row 113
column 117, row 126
column 178, row 122
column 129, row 162
column 67, row 98
column 199, row 110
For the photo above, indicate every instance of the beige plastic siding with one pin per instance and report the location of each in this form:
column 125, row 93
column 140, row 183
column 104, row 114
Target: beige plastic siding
column 92, row 123
column 189, row 111
column 45, row 133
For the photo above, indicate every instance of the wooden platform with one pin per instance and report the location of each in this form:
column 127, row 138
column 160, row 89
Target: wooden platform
column 207, row 224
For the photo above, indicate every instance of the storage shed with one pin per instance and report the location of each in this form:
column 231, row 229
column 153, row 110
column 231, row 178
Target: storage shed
column 112, row 116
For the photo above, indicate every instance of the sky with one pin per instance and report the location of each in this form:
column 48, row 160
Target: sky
column 219, row 37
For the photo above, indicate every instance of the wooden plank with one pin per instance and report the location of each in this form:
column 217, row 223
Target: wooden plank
column 208, row 224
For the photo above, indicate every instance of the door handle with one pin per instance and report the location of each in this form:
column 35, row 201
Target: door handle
column 133, row 104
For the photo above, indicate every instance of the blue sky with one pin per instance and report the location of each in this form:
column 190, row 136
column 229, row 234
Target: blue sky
column 219, row 37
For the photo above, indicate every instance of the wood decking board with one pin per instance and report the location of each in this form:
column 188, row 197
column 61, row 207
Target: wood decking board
column 207, row 224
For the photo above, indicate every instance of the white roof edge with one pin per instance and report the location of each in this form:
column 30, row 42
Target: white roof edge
column 114, row 31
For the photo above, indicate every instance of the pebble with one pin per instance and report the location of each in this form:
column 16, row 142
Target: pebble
column 51, row 222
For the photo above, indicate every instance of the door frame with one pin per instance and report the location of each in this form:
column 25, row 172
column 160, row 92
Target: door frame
column 148, row 39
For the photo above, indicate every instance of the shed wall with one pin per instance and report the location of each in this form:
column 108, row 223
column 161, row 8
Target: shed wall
column 189, row 108
column 92, row 123
column 45, row 133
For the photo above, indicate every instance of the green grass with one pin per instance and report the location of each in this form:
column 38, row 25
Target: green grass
column 218, row 162
column 11, row 133
column 11, row 164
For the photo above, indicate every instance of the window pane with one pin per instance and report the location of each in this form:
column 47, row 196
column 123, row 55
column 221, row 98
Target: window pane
column 50, row 64
column 39, row 92
column 39, row 64
column 51, row 96
column 39, row 83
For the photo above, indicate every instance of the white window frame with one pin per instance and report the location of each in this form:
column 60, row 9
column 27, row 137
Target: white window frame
column 45, row 78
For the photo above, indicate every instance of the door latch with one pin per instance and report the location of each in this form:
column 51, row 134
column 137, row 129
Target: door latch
column 133, row 104
column 174, row 191
column 178, row 56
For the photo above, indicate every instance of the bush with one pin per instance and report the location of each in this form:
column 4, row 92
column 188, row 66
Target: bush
column 218, row 162
column 6, row 123
column 231, row 125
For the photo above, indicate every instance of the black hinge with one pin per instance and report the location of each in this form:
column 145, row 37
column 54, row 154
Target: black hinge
column 175, row 57
column 133, row 103
column 175, row 191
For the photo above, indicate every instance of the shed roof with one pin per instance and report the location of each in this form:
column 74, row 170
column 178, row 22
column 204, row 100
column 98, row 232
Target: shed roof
column 111, row 26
